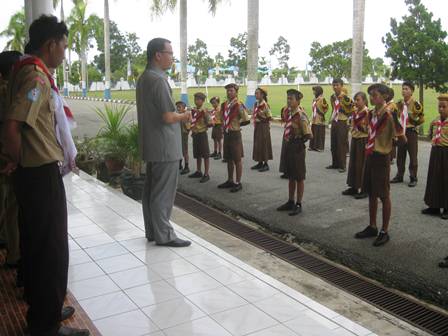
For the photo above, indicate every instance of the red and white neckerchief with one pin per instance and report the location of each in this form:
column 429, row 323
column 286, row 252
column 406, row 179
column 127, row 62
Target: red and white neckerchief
column 358, row 116
column 257, row 108
column 227, row 108
column 374, row 126
column 438, row 135
column 337, row 106
column 314, row 108
column 213, row 115
column 288, row 126
column 404, row 115
column 195, row 116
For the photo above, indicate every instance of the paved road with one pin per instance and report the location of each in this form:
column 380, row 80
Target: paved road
column 329, row 220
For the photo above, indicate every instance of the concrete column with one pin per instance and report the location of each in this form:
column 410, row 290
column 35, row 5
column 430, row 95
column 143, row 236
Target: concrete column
column 252, row 51
column 42, row 7
column 28, row 16
column 183, row 50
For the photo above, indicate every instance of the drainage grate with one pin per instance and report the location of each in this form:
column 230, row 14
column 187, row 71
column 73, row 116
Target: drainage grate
column 423, row 317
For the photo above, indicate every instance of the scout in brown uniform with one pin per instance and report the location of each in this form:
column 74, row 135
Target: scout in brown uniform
column 234, row 116
column 284, row 117
column 262, row 150
column 319, row 108
column 360, row 123
column 185, row 129
column 382, row 131
column 217, row 133
column 200, row 121
column 391, row 106
column 34, row 154
column 342, row 106
column 411, row 115
column 297, row 132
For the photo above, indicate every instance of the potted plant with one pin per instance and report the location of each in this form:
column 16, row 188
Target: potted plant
column 85, row 160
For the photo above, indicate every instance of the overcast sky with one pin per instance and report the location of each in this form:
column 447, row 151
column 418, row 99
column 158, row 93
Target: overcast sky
column 300, row 21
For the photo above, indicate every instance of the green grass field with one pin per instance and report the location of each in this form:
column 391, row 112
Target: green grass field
column 277, row 97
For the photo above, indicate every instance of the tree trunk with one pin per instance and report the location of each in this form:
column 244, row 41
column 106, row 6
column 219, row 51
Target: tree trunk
column 106, row 50
column 64, row 63
column 41, row 7
column 183, row 50
column 420, row 98
column 252, row 51
column 84, row 73
column 357, row 45
column 28, row 17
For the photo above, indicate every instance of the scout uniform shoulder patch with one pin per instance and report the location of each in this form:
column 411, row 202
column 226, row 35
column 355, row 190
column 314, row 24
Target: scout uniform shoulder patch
column 418, row 106
column 33, row 94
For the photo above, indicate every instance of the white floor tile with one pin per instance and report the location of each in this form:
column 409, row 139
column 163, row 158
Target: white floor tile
column 217, row 300
column 281, row 307
column 107, row 305
column 73, row 246
column 278, row 330
column 82, row 231
column 88, row 288
column 171, row 313
column 207, row 261
column 351, row 326
column 134, row 277
column 253, row 290
column 174, row 268
column 154, row 256
column 84, row 271
column 311, row 324
column 193, row 249
column 244, row 320
column 133, row 323
column 193, row 283
column 94, row 240
column 139, row 244
column 79, row 257
column 224, row 275
column 78, row 220
column 127, row 234
column 119, row 263
column 202, row 327
column 155, row 292
column 344, row 332
column 106, row 251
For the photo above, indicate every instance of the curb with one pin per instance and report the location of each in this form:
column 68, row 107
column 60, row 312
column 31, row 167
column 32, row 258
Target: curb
column 116, row 101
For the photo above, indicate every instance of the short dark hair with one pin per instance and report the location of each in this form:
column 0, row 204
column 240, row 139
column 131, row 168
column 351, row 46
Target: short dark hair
column 200, row 95
column 390, row 95
column 381, row 88
column 337, row 81
column 216, row 99
column 317, row 90
column 154, row 46
column 7, row 60
column 295, row 93
column 409, row 84
column 362, row 95
column 264, row 93
column 46, row 27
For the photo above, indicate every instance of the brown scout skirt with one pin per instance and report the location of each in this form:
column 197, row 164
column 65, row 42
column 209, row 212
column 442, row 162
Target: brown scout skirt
column 262, row 150
column 233, row 146
column 436, row 193
column 356, row 163
column 200, row 145
column 282, row 168
column 217, row 132
column 377, row 175
column 318, row 140
column 184, row 144
column 295, row 166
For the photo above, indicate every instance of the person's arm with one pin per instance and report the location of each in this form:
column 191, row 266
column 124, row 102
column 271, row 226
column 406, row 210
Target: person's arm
column 175, row 117
column 11, row 147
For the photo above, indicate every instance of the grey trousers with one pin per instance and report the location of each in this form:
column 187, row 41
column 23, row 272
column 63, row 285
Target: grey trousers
column 158, row 200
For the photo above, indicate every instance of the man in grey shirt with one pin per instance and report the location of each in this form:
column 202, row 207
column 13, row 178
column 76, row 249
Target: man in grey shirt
column 160, row 143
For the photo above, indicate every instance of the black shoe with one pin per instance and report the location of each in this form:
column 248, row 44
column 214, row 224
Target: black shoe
column 350, row 192
column 184, row 171
column 67, row 331
column 67, row 312
column 361, row 195
column 383, row 238
column 413, row 182
column 226, row 185
column 331, row 167
column 397, row 179
column 342, row 170
column 287, row 206
column 224, row 160
column 444, row 263
column 444, row 214
column 264, row 168
column 367, row 233
column 217, row 157
column 176, row 243
column 204, row 178
column 180, row 167
column 431, row 211
column 213, row 155
column 196, row 174
column 236, row 188
column 297, row 208
column 257, row 166
column 392, row 161
column 284, row 176
column 312, row 149
column 149, row 239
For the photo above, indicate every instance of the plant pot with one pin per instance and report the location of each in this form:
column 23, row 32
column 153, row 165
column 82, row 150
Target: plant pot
column 102, row 173
column 87, row 166
column 114, row 166
column 132, row 186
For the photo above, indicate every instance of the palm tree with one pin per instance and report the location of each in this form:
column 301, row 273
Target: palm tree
column 106, row 49
column 252, row 50
column 15, row 32
column 81, row 31
column 161, row 6
column 358, row 44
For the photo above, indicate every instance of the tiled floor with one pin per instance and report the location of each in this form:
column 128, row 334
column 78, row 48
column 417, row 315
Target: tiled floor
column 130, row 287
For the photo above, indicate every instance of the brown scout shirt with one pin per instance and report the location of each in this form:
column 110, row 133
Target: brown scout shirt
column 360, row 127
column 416, row 116
column 202, row 123
column 322, row 108
column 346, row 106
column 443, row 134
column 263, row 115
column 218, row 116
column 385, row 136
column 3, row 98
column 242, row 117
column 30, row 101
column 300, row 125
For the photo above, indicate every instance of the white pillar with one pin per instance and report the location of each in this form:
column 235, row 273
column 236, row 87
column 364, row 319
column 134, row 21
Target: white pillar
column 42, row 7
column 28, row 16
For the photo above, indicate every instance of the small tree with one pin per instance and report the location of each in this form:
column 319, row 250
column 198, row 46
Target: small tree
column 199, row 58
column 238, row 52
column 15, row 32
column 280, row 50
column 417, row 48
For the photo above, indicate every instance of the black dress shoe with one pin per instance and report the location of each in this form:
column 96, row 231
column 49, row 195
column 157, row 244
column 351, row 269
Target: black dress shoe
column 361, row 195
column 218, row 157
column 176, row 243
column 444, row 263
column 284, row 176
column 444, row 214
column 383, row 238
column 226, row 185
column 213, row 155
column 67, row 331
column 264, row 168
column 413, row 182
column 204, row 178
column 350, row 192
column 367, row 233
column 296, row 209
column 396, row 179
column 224, row 160
column 237, row 187
column 288, row 206
column 342, row 170
column 257, row 166
column 196, row 174
column 149, row 239
column 67, row 312
column 184, row 171
column 431, row 211
column 331, row 167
